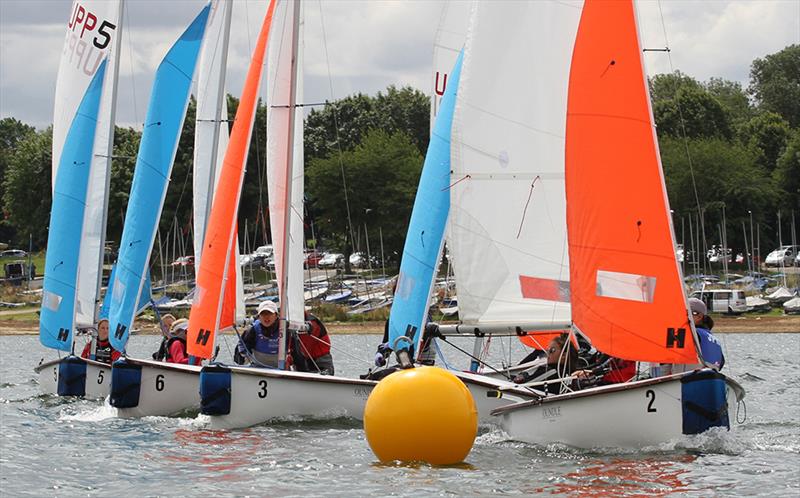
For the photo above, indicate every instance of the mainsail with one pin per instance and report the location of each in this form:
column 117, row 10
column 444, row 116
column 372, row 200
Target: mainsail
column 93, row 34
column 285, row 162
column 57, row 319
column 210, row 144
column 507, row 231
column 627, row 294
column 425, row 237
column 447, row 46
column 218, row 260
column 162, row 127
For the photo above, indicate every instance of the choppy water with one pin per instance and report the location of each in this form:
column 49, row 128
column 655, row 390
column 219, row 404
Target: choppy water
column 60, row 447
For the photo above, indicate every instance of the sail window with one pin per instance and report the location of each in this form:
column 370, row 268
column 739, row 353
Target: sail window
column 51, row 300
column 628, row 286
column 405, row 285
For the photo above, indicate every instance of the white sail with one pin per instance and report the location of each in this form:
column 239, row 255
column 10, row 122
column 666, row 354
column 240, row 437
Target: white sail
column 211, row 131
column 285, row 165
column 507, row 228
column 93, row 33
column 449, row 40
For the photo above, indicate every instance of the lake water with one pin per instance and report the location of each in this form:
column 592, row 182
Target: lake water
column 65, row 447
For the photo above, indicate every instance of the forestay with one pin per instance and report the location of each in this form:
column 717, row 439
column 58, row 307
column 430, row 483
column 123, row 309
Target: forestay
column 57, row 319
column 92, row 35
column 627, row 292
column 507, row 231
column 162, row 127
column 218, row 261
column 285, row 158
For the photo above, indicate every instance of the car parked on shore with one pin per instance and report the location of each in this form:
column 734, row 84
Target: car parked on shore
column 13, row 253
column 782, row 256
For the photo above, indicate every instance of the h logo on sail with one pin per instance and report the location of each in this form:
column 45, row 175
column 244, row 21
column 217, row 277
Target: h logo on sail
column 676, row 336
column 120, row 331
column 63, row 334
column 202, row 336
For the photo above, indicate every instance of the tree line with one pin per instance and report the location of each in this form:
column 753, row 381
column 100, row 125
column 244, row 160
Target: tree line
column 721, row 145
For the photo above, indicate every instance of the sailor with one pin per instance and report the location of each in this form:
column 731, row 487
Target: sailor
column 103, row 351
column 607, row 370
column 176, row 345
column 261, row 340
column 710, row 347
column 562, row 361
column 311, row 349
column 165, row 325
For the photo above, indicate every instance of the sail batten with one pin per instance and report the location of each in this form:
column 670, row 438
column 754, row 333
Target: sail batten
column 165, row 115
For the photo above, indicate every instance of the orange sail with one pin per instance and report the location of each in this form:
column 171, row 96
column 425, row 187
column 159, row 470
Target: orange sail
column 217, row 261
column 626, row 291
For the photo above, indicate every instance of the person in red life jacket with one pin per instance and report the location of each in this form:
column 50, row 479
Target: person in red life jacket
column 261, row 340
column 311, row 349
column 103, row 352
column 165, row 326
column 176, row 345
column 610, row 371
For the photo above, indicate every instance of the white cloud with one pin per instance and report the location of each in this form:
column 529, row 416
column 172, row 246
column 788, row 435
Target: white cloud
column 370, row 45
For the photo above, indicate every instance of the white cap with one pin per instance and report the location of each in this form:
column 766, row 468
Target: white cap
column 698, row 306
column 270, row 306
column 178, row 326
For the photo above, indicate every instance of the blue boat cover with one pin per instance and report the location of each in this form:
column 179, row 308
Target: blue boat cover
column 57, row 318
column 425, row 235
column 162, row 130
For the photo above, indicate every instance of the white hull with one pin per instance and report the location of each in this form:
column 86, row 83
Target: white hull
column 635, row 414
column 97, row 382
column 259, row 395
column 166, row 389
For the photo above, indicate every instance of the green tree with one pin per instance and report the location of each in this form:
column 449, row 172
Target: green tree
column 723, row 174
column 397, row 110
column 775, row 83
column 767, row 133
column 12, row 132
column 694, row 112
column 126, row 147
column 732, row 98
column 787, row 172
column 382, row 175
column 27, row 186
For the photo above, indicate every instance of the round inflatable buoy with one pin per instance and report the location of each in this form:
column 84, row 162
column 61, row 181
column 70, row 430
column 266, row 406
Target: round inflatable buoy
column 422, row 414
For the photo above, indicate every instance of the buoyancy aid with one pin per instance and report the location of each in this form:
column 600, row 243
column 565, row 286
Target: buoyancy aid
column 621, row 371
column 710, row 348
column 103, row 352
column 170, row 342
column 267, row 343
column 315, row 342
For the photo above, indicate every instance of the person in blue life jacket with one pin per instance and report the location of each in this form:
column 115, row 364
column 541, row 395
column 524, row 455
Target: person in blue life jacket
column 710, row 347
column 261, row 340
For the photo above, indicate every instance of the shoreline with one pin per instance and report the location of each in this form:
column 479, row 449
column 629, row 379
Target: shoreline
column 753, row 324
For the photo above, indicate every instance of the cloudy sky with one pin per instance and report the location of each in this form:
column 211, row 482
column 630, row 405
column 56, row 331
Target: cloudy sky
column 370, row 44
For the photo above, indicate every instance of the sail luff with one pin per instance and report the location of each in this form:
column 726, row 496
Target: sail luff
column 449, row 41
column 627, row 295
column 59, row 295
column 163, row 123
column 206, row 309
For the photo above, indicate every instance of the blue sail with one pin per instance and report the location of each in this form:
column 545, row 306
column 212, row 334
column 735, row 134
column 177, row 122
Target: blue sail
column 66, row 217
column 144, row 297
column 426, row 229
column 162, row 129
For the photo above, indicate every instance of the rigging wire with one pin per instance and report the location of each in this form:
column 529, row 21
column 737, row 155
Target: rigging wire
column 336, row 126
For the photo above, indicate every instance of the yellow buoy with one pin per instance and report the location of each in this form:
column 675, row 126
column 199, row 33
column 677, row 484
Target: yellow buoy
column 423, row 414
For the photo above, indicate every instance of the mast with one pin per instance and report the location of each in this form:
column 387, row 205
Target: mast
column 109, row 154
column 283, row 317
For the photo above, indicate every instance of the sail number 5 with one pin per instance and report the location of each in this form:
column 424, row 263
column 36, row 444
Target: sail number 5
column 651, row 395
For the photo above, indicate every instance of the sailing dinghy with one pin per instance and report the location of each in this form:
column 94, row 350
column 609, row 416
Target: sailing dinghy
column 625, row 285
column 236, row 396
column 83, row 136
column 147, row 387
